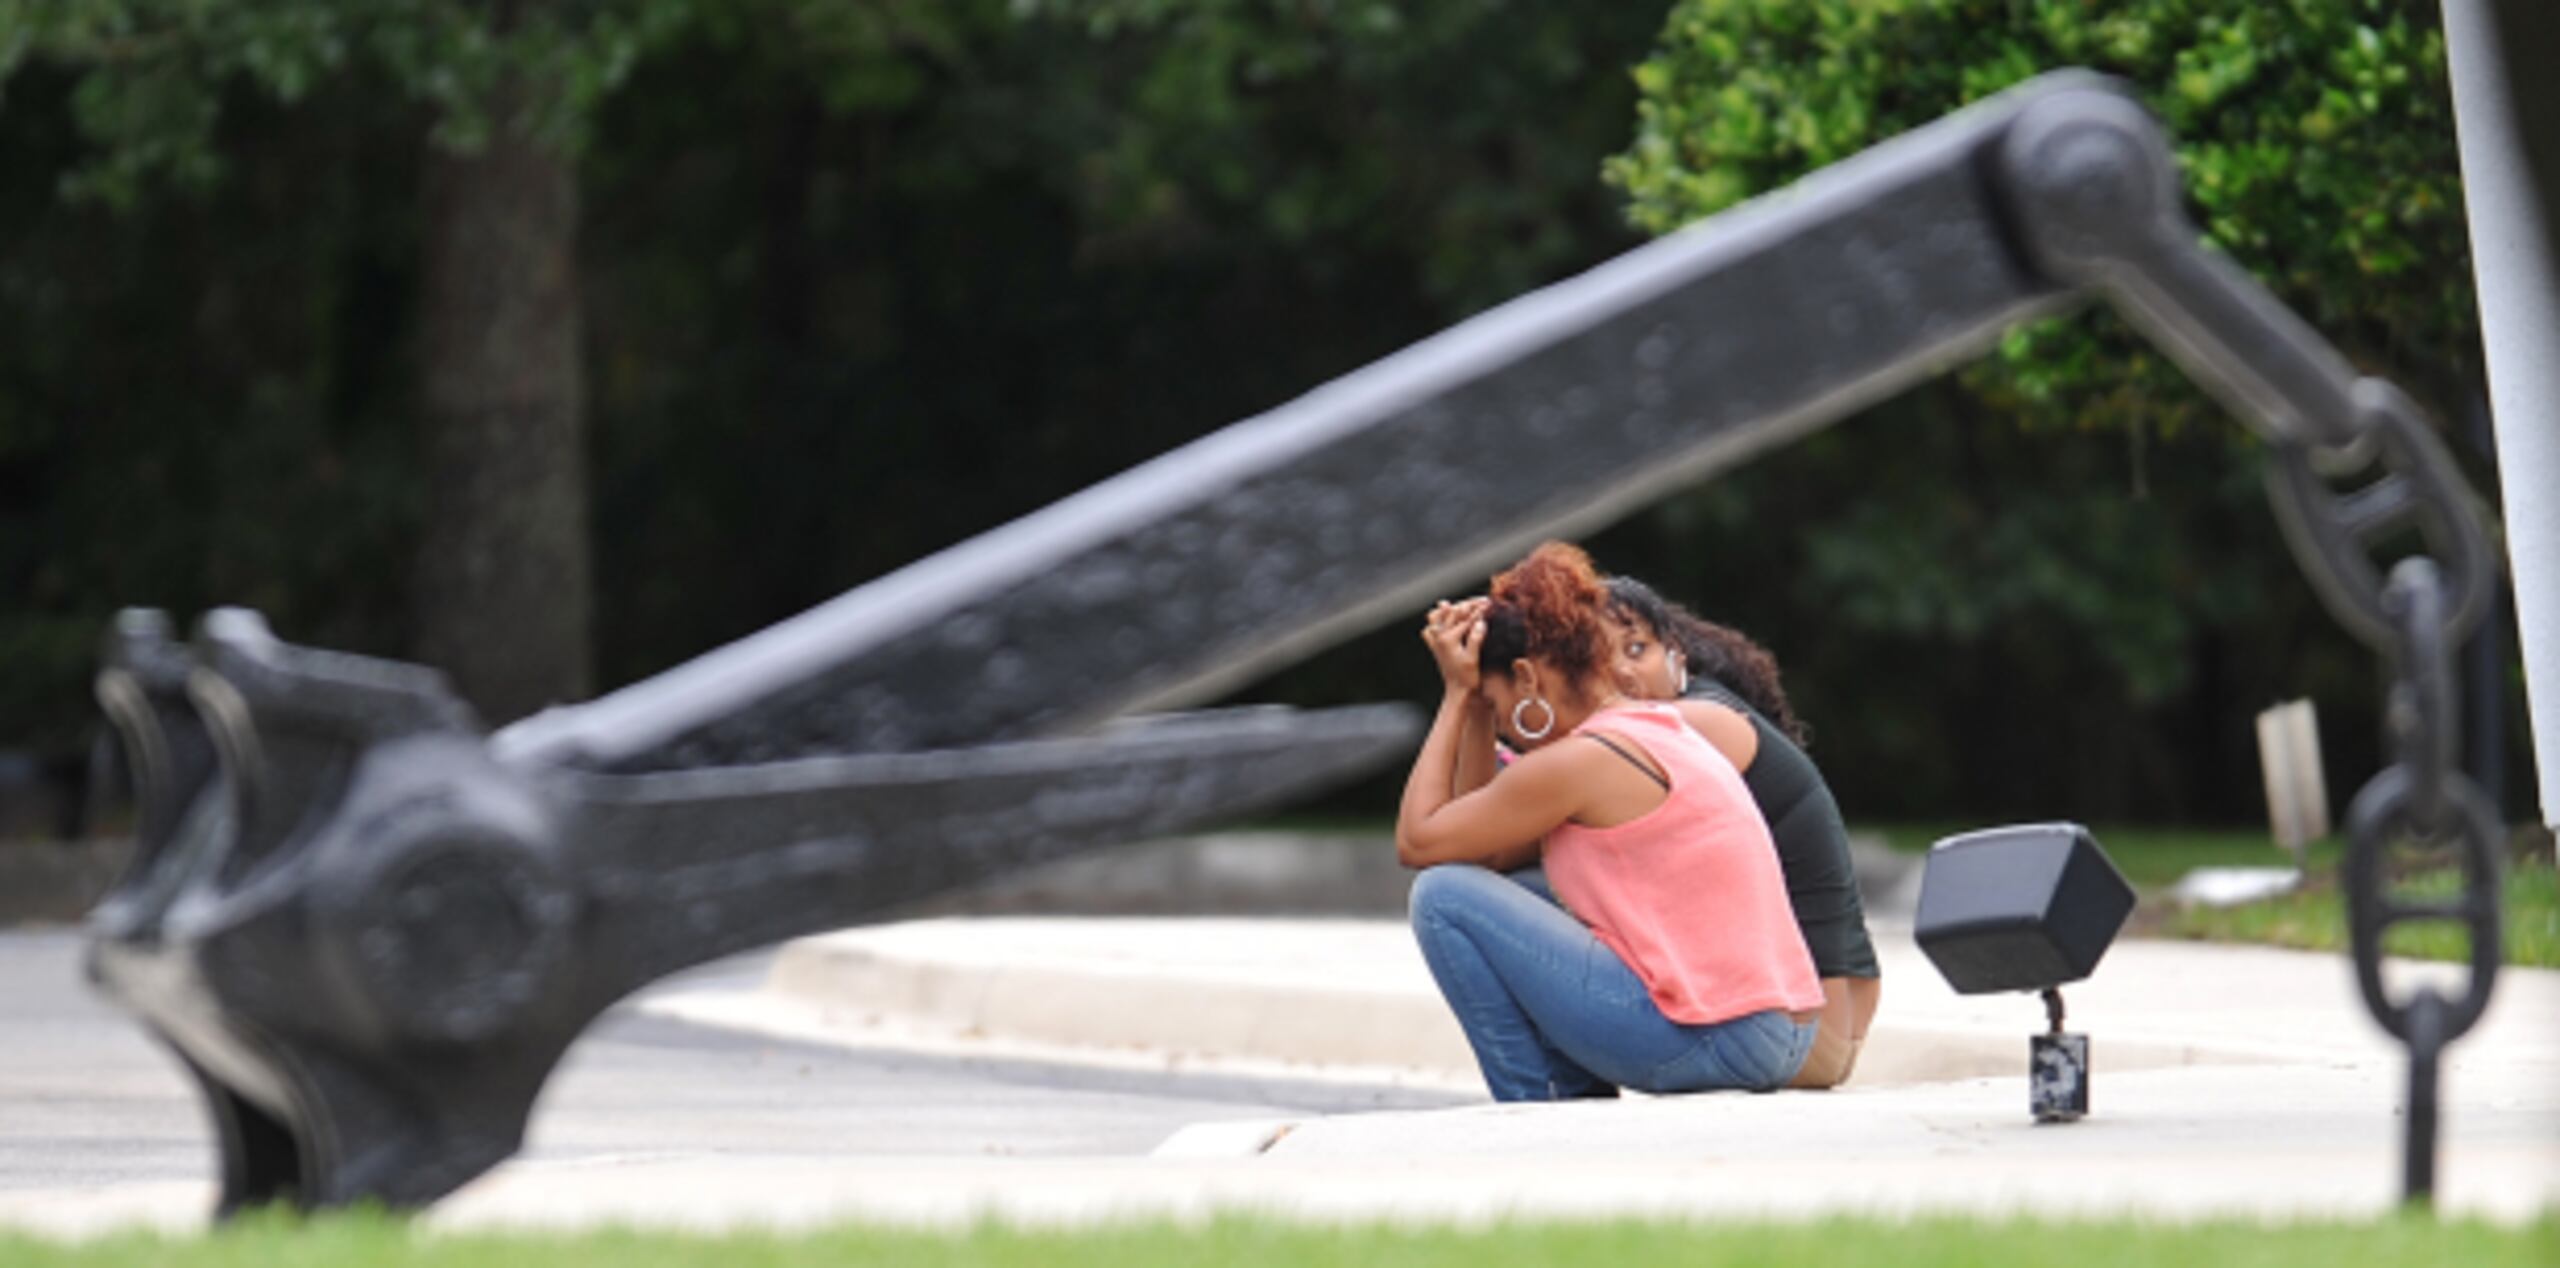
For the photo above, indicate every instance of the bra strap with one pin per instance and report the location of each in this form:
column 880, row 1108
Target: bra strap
column 1612, row 745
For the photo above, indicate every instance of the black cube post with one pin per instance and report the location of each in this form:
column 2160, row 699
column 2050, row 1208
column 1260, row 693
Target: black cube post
column 2026, row 908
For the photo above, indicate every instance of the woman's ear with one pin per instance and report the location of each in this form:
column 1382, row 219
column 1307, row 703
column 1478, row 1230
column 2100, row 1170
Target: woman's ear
column 1524, row 675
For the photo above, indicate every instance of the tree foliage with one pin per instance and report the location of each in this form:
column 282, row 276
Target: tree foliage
column 2315, row 136
column 153, row 75
column 861, row 280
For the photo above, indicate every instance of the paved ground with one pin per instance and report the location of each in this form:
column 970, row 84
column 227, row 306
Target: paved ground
column 2228, row 1081
column 98, row 1125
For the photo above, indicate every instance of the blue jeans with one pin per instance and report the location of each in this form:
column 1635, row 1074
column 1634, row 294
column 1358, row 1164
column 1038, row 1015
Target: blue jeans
column 1553, row 1013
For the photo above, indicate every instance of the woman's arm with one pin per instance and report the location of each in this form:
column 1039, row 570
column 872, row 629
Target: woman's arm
column 1476, row 763
column 1497, row 824
column 1455, row 633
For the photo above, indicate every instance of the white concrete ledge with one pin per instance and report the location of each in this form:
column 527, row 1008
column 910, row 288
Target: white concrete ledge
column 1355, row 994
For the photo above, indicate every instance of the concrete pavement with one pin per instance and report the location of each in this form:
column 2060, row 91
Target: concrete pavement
column 2227, row 1080
column 99, row 1126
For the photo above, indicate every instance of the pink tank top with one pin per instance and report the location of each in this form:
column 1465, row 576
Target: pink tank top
column 1689, row 893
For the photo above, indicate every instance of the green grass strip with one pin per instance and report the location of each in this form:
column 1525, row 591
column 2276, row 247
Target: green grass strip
column 372, row 1242
column 2314, row 917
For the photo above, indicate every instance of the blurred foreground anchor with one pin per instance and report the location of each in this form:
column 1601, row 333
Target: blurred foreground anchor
column 371, row 931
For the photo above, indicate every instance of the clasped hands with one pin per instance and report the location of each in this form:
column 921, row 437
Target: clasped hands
column 1455, row 634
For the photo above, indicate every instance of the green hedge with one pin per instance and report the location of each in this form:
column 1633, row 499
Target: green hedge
column 2316, row 137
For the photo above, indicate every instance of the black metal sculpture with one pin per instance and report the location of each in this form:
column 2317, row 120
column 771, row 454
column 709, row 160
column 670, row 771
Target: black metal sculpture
column 371, row 931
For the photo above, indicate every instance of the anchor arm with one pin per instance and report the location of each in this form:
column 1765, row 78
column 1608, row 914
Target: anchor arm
column 840, row 840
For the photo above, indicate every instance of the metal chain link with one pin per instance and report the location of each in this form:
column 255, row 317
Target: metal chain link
column 2416, row 618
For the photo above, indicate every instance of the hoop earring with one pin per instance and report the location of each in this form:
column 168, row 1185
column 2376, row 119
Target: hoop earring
column 1680, row 674
column 1521, row 728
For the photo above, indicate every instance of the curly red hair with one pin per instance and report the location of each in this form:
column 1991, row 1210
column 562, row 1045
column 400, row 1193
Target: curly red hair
column 1550, row 607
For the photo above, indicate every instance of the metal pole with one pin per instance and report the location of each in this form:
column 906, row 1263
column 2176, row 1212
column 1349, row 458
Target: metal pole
column 2507, row 119
column 2484, row 664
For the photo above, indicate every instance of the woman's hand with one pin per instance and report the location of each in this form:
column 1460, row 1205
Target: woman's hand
column 1455, row 633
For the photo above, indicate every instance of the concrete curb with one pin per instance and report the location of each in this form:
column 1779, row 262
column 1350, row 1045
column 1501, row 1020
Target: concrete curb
column 1354, row 994
column 1080, row 1002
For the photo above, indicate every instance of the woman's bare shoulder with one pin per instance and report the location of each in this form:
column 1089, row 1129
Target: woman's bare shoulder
column 1727, row 729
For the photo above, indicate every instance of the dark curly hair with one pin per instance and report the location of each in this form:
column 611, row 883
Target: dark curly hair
column 1713, row 651
column 1549, row 607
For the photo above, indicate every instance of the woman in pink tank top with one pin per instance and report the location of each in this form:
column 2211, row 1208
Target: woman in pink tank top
column 1674, row 963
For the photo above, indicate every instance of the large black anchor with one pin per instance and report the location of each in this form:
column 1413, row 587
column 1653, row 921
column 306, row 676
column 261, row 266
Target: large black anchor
column 371, row 936
column 371, row 930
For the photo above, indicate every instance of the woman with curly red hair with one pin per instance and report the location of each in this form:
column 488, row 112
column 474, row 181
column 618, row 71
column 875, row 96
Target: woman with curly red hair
column 1673, row 963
